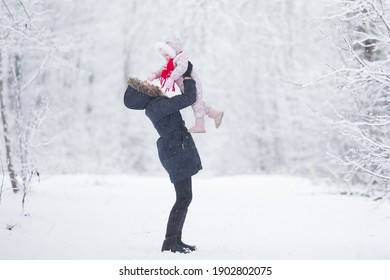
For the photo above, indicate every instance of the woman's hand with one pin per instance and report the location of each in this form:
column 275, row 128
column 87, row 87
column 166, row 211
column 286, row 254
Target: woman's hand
column 187, row 73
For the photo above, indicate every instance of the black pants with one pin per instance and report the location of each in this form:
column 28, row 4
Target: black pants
column 179, row 210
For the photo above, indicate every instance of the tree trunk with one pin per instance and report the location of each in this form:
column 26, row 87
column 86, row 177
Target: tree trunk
column 7, row 140
column 20, row 133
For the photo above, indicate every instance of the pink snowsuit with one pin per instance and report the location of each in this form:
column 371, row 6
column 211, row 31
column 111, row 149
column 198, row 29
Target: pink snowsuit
column 173, row 47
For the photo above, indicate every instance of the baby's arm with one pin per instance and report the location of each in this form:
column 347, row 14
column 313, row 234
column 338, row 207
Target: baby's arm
column 181, row 62
column 156, row 74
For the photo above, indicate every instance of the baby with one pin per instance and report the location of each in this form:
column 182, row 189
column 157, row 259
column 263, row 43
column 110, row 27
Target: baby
column 171, row 73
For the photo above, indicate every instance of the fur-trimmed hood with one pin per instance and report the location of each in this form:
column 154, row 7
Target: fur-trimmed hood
column 149, row 89
column 138, row 94
column 171, row 46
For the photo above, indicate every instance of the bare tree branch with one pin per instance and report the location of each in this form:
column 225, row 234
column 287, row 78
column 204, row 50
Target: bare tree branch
column 24, row 8
column 6, row 6
column 354, row 164
column 350, row 47
column 36, row 74
column 380, row 14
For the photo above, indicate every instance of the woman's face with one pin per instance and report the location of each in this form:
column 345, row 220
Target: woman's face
column 151, row 87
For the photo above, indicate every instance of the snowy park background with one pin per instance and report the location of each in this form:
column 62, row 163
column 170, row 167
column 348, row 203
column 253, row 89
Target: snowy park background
column 298, row 169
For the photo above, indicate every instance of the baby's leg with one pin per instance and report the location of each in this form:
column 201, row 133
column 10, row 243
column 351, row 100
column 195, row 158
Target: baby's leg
column 212, row 113
column 199, row 111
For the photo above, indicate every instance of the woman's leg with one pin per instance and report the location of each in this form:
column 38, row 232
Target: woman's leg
column 180, row 230
column 177, row 216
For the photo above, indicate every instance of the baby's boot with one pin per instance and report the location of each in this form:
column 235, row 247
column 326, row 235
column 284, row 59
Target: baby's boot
column 199, row 126
column 217, row 116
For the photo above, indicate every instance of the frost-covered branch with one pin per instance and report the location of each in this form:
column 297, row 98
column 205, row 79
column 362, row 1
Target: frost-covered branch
column 355, row 165
column 379, row 12
column 9, row 12
column 24, row 9
column 37, row 72
column 2, row 179
column 350, row 48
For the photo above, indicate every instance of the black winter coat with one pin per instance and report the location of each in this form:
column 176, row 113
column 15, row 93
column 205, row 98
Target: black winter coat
column 176, row 148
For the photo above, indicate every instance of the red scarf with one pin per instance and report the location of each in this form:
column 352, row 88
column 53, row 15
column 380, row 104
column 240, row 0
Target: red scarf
column 166, row 73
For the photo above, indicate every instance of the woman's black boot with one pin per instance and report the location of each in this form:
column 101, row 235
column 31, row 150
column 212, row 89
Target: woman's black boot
column 172, row 245
column 189, row 247
column 179, row 233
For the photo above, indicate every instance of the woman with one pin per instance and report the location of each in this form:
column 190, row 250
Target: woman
column 176, row 148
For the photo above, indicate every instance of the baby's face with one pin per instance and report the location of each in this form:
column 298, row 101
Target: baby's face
column 167, row 56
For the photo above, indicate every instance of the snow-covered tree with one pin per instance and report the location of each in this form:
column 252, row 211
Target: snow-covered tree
column 26, row 49
column 364, row 83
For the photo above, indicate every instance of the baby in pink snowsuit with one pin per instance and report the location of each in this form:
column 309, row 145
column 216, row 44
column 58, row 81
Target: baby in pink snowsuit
column 177, row 63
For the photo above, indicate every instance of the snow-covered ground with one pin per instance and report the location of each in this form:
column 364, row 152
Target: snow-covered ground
column 240, row 217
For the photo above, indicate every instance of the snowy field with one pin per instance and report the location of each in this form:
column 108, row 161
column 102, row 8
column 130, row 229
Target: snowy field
column 241, row 217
